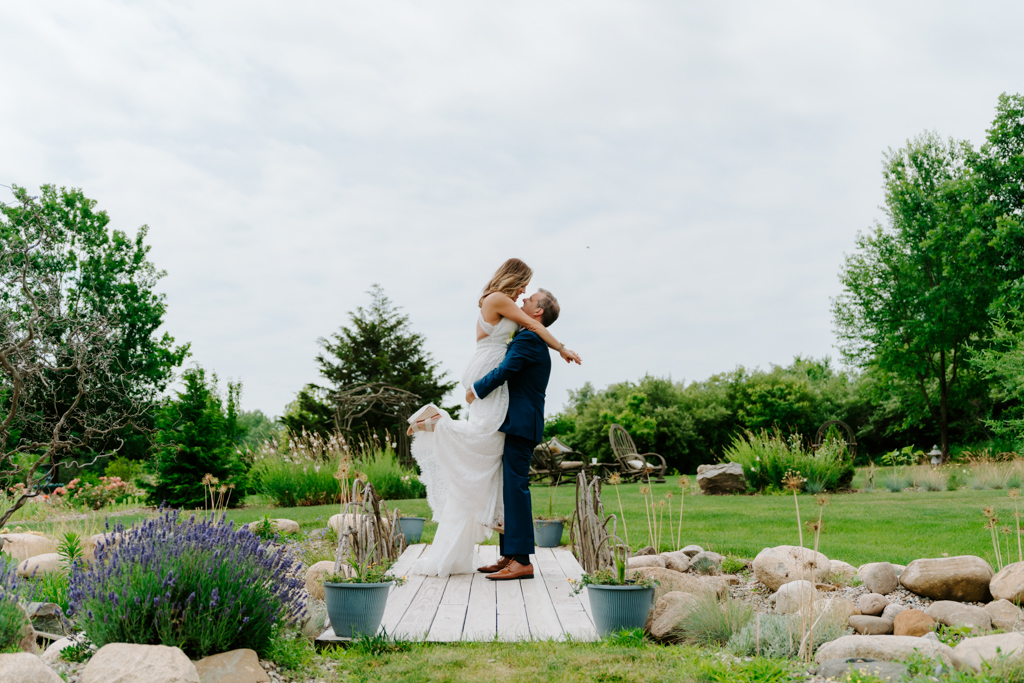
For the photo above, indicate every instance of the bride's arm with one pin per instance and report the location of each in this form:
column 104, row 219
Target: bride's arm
column 506, row 308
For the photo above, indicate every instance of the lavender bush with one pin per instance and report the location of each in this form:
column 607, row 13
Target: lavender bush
column 196, row 583
column 11, row 616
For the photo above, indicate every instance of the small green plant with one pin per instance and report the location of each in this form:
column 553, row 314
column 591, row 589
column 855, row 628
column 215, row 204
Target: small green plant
column 376, row 572
column 629, row 637
column 954, row 481
column 951, row 635
column 895, row 484
column 780, row 636
column 264, row 529
column 814, row 486
column 551, row 516
column 291, row 650
column 378, row 644
column 81, row 650
column 711, row 621
column 71, row 550
column 12, row 618
column 733, row 565
column 758, row 670
column 705, row 565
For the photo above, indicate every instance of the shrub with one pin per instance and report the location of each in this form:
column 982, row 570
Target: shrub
column 778, row 636
column 713, row 622
column 766, row 457
column 391, row 481
column 733, row 565
column 97, row 496
column 196, row 583
column 300, row 471
column 12, row 618
column 895, row 484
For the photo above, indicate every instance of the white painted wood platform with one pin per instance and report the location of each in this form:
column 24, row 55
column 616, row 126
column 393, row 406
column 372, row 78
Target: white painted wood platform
column 468, row 607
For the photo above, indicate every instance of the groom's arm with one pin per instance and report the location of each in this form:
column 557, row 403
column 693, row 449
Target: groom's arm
column 523, row 350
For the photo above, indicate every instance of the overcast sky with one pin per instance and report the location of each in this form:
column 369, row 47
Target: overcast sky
column 684, row 176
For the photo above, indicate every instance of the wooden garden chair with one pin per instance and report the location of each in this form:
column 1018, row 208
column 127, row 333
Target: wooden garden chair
column 633, row 465
column 553, row 460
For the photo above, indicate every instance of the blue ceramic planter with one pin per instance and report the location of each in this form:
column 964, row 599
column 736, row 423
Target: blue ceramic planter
column 356, row 608
column 412, row 527
column 619, row 607
column 547, row 533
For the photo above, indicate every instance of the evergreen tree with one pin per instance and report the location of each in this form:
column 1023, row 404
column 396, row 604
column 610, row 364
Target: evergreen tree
column 377, row 346
column 195, row 437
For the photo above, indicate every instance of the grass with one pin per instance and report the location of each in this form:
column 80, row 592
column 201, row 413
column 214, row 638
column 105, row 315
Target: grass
column 857, row 528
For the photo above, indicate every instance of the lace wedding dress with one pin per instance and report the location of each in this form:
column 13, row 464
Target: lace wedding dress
column 460, row 464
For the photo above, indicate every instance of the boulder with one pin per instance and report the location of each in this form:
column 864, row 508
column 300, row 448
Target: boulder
column 839, row 669
column 912, row 622
column 870, row 626
column 879, row 577
column 1008, row 584
column 1005, row 615
column 22, row 667
column 677, row 561
column 236, row 666
column 646, row 550
column 669, row 610
column 972, row 653
column 725, row 477
column 645, row 561
column 891, row 611
column 52, row 653
column 27, row 635
column 953, row 613
column 315, row 578
column 96, row 541
column 794, row 596
column 48, row 617
column 686, row 583
column 964, row 578
column 23, row 546
column 777, row 566
column 285, row 526
column 872, row 604
column 842, row 608
column 129, row 663
column 885, row 648
column 39, row 565
column 692, row 550
column 842, row 569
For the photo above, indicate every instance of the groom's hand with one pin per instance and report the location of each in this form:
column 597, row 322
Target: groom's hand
column 470, row 396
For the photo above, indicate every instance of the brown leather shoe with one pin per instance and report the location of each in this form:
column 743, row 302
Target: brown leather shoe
column 514, row 570
column 496, row 567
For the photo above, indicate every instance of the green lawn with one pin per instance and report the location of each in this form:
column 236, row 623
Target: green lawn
column 858, row 528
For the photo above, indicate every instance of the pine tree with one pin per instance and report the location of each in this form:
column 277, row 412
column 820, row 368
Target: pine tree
column 377, row 346
column 195, row 437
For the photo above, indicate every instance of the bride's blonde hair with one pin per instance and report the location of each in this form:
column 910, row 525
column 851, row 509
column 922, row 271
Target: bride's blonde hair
column 512, row 276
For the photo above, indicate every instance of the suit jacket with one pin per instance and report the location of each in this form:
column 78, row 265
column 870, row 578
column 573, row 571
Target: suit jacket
column 526, row 368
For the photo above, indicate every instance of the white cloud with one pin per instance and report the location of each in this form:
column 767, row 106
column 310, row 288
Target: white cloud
column 684, row 176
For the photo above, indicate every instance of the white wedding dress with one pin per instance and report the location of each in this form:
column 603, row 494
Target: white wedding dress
column 460, row 464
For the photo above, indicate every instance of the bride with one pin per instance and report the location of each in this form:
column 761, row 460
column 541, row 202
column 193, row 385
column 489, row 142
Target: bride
column 460, row 460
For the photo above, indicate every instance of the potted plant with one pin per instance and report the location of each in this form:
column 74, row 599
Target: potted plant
column 547, row 529
column 618, row 602
column 356, row 603
column 411, row 528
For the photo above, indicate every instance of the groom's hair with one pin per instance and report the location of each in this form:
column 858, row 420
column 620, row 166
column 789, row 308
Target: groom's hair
column 549, row 308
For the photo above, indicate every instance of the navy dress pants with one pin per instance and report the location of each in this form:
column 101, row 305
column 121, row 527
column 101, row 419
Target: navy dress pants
column 518, row 536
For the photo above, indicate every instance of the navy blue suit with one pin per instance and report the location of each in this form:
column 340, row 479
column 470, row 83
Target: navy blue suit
column 526, row 368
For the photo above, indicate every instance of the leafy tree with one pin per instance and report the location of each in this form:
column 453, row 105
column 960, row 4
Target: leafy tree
column 377, row 346
column 105, row 275
column 195, row 436
column 917, row 291
column 1003, row 363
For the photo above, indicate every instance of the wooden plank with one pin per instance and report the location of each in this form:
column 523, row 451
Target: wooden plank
column 482, row 615
column 512, row 622
column 572, row 617
column 567, row 561
column 451, row 614
column 540, row 612
column 399, row 600
column 418, row 618
column 405, row 561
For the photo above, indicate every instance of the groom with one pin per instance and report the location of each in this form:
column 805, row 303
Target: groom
column 526, row 368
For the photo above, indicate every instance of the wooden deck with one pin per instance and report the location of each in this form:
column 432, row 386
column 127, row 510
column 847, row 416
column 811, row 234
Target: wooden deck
column 468, row 607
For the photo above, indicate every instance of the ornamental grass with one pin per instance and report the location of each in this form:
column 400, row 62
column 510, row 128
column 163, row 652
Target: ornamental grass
column 12, row 618
column 196, row 583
